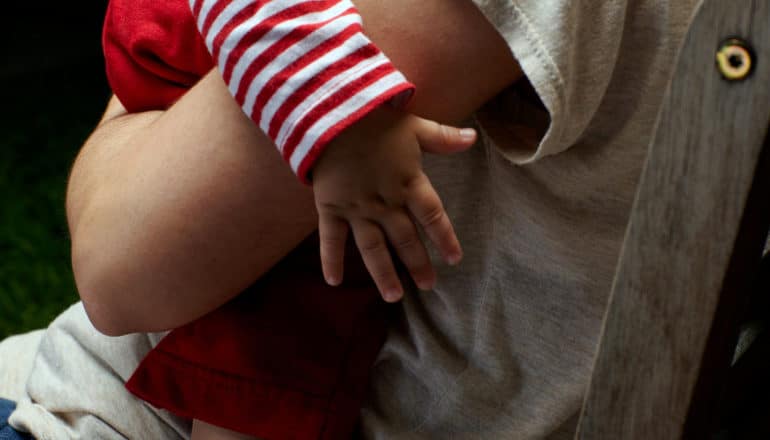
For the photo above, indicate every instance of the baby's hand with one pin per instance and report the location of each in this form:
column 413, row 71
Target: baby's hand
column 370, row 178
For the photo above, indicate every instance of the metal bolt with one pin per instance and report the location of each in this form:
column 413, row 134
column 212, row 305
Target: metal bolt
column 735, row 59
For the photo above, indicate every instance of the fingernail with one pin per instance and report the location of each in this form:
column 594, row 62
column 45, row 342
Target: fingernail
column 454, row 259
column 332, row 281
column 467, row 134
column 426, row 284
column 392, row 295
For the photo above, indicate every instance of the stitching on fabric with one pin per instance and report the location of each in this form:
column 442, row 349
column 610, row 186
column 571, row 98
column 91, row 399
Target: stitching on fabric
column 532, row 37
column 540, row 51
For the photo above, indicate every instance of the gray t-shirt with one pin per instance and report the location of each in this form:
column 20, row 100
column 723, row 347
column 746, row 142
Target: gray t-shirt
column 503, row 347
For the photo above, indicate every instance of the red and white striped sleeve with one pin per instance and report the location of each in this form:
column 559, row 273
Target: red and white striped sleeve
column 302, row 70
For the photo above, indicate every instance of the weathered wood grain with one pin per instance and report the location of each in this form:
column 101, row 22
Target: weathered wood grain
column 688, row 244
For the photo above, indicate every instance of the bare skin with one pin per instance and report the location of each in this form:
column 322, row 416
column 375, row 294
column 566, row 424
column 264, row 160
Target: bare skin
column 382, row 194
column 370, row 180
column 167, row 209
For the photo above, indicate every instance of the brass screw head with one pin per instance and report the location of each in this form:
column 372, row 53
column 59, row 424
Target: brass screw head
column 735, row 59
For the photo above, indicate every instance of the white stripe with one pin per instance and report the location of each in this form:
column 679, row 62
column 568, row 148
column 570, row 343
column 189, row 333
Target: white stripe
column 324, row 92
column 268, row 39
column 269, row 9
column 224, row 17
column 312, row 70
column 205, row 9
column 295, row 52
column 344, row 110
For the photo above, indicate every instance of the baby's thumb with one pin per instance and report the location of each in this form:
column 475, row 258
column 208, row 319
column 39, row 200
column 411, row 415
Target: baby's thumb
column 444, row 139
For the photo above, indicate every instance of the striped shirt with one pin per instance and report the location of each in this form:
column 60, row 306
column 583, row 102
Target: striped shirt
column 302, row 70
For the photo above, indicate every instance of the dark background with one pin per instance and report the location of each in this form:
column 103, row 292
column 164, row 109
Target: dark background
column 52, row 92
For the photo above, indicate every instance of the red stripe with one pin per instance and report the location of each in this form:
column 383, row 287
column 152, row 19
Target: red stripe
column 256, row 33
column 196, row 9
column 242, row 15
column 313, row 84
column 307, row 162
column 331, row 103
column 213, row 14
column 216, row 43
column 268, row 56
column 277, row 81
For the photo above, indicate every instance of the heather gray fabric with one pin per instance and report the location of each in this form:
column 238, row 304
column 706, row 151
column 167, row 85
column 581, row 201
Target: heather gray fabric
column 17, row 356
column 502, row 349
column 75, row 388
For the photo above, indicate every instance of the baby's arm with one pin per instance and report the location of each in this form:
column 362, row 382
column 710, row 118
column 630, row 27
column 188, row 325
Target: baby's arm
column 200, row 210
column 304, row 72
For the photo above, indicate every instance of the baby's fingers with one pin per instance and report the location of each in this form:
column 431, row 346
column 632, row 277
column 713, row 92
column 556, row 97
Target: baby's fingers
column 374, row 251
column 403, row 236
column 426, row 207
column 332, row 232
column 444, row 139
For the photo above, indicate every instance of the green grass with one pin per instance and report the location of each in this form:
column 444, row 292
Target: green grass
column 47, row 114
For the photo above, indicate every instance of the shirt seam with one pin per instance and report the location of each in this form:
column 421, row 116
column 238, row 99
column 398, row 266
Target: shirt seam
column 556, row 85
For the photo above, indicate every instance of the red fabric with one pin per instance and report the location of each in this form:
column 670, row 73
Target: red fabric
column 154, row 52
column 289, row 358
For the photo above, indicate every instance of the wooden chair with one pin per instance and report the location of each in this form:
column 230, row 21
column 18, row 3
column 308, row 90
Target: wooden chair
column 693, row 248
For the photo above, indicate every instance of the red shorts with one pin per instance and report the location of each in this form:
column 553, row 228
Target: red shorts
column 290, row 357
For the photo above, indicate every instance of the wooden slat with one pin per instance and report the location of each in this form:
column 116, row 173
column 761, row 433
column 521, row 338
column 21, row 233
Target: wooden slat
column 738, row 291
column 686, row 247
